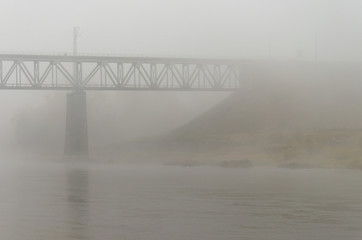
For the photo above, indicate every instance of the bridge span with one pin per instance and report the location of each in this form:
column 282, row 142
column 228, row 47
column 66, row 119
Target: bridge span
column 81, row 73
column 56, row 72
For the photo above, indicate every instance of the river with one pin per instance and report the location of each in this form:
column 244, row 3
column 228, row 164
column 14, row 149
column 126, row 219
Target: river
column 44, row 200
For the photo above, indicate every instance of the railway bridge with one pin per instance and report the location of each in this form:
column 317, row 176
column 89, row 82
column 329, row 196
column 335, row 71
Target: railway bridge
column 79, row 73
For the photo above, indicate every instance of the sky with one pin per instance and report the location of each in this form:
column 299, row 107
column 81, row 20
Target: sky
column 323, row 30
column 281, row 29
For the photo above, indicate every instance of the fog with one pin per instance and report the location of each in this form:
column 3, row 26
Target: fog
column 243, row 29
column 38, row 123
column 278, row 30
column 278, row 159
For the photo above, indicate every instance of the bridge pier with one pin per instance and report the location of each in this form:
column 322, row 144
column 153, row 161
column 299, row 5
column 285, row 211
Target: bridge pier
column 76, row 129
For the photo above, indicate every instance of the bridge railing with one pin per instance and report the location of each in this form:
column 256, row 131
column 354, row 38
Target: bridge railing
column 103, row 54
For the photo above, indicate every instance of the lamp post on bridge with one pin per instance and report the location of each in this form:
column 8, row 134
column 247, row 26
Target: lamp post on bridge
column 76, row 34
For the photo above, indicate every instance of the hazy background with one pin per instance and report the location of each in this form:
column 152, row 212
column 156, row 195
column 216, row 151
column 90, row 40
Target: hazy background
column 242, row 29
column 310, row 30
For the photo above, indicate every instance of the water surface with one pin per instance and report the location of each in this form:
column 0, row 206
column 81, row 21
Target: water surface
column 42, row 201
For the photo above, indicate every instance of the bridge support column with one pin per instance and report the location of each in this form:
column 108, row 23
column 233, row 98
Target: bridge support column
column 76, row 129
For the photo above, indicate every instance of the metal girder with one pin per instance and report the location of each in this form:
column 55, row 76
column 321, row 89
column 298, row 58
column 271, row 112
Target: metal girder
column 117, row 73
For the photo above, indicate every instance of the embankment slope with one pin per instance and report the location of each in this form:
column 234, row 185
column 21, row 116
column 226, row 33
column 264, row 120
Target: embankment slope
column 293, row 114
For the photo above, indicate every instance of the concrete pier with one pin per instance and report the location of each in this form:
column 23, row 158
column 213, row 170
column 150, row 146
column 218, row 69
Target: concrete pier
column 76, row 129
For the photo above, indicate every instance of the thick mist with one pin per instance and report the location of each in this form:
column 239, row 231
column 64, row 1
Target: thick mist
column 277, row 159
column 280, row 29
column 113, row 118
column 283, row 34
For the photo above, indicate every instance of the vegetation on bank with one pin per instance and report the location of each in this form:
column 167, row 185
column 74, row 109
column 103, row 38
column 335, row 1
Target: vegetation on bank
column 334, row 148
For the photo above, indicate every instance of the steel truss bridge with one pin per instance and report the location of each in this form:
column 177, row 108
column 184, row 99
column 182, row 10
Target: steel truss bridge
column 57, row 72
column 80, row 73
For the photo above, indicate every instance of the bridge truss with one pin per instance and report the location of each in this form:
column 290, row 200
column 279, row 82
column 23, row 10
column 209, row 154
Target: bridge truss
column 48, row 72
